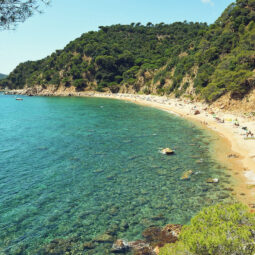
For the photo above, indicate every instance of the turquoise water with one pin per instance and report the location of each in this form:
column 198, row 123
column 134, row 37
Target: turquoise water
column 78, row 167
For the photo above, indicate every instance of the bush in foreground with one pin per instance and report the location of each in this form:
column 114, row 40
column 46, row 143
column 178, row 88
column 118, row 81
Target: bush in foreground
column 222, row 229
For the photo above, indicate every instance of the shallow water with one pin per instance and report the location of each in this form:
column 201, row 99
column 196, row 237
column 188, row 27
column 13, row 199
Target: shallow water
column 78, row 167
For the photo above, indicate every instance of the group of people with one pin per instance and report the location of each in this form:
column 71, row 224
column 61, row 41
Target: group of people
column 249, row 133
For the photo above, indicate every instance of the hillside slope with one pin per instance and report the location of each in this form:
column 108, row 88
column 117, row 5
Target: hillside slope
column 181, row 59
column 2, row 76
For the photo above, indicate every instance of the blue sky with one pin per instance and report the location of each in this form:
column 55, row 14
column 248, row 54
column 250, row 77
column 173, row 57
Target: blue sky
column 66, row 20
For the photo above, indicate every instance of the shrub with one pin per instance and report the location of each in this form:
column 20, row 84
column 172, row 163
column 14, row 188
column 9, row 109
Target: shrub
column 174, row 249
column 222, row 229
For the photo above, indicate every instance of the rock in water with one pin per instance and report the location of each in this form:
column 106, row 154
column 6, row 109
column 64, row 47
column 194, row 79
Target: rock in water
column 140, row 247
column 186, row 175
column 173, row 229
column 212, row 180
column 120, row 246
column 105, row 238
column 158, row 237
column 167, row 151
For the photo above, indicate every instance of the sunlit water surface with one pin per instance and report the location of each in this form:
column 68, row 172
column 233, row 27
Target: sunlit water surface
column 78, row 167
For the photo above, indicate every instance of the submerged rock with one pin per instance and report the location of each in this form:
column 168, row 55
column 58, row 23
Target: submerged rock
column 167, row 151
column 120, row 246
column 158, row 237
column 158, row 217
column 59, row 246
column 140, row 247
column 88, row 246
column 104, row 238
column 212, row 180
column 186, row 175
column 98, row 171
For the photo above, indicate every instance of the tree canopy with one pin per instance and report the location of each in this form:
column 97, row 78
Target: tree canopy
column 16, row 11
column 183, row 58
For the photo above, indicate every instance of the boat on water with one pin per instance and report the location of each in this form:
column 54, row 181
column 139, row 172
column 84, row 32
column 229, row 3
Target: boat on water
column 19, row 99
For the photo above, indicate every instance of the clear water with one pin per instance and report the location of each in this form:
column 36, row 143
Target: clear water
column 77, row 167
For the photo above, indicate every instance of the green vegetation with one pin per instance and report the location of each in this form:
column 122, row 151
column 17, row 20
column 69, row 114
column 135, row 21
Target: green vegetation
column 15, row 11
column 217, row 230
column 170, row 59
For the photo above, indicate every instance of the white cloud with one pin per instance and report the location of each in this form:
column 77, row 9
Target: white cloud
column 208, row 2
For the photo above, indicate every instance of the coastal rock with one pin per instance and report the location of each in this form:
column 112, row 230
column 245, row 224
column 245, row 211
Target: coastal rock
column 158, row 237
column 156, row 250
column 152, row 235
column 105, row 238
column 173, row 229
column 120, row 246
column 186, row 175
column 145, row 251
column 196, row 112
column 140, row 247
column 167, row 151
column 212, row 180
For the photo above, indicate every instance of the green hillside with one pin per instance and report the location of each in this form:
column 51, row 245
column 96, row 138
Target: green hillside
column 190, row 59
column 2, row 76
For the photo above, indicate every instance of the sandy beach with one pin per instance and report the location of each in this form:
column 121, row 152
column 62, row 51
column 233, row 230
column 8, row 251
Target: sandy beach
column 233, row 149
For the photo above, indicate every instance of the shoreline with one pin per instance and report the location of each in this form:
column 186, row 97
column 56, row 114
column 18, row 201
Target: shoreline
column 242, row 164
column 231, row 149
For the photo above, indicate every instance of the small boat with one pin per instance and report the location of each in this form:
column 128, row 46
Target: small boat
column 19, row 99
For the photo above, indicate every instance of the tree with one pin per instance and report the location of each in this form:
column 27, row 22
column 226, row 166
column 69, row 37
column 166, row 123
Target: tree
column 16, row 11
column 222, row 229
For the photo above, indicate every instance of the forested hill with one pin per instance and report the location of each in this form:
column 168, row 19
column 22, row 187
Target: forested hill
column 2, row 76
column 184, row 59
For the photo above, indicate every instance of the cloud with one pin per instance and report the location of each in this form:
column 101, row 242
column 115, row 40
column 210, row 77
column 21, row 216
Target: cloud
column 208, row 2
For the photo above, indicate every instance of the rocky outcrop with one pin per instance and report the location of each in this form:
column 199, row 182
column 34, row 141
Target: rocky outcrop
column 120, row 246
column 155, row 238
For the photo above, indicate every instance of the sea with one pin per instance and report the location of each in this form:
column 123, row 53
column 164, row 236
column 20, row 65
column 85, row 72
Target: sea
column 74, row 171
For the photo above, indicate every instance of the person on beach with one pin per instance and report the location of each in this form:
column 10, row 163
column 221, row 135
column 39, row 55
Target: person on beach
column 249, row 133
